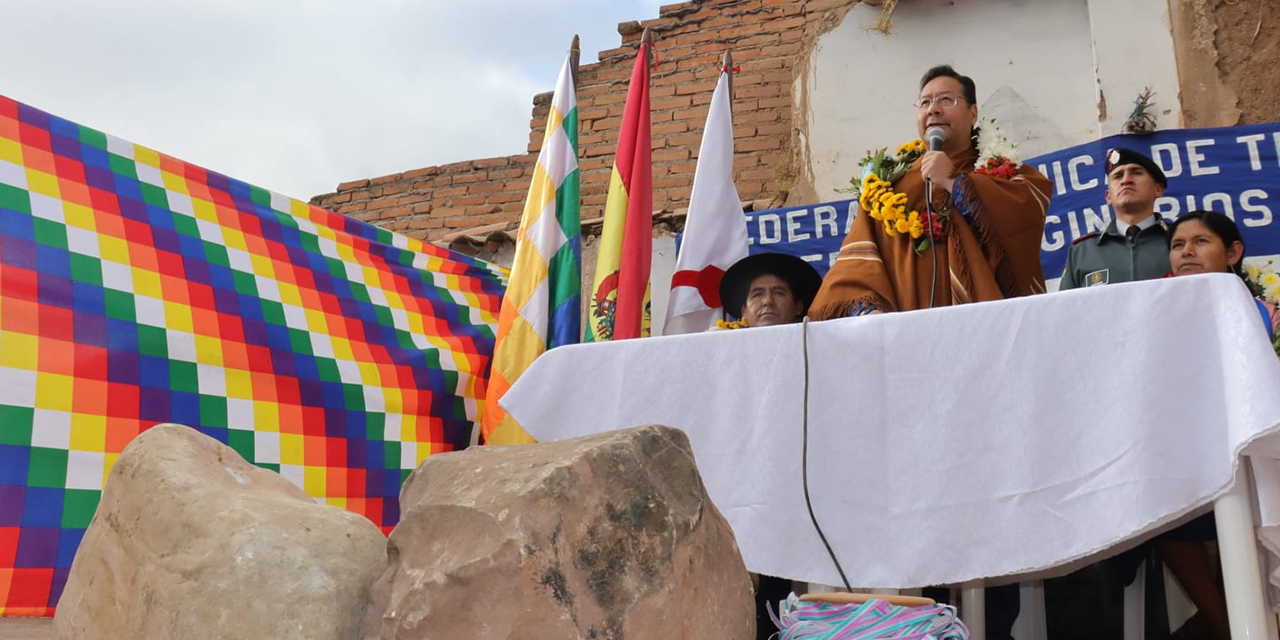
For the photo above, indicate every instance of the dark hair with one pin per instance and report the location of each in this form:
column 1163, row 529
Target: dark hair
column 1220, row 225
column 966, row 83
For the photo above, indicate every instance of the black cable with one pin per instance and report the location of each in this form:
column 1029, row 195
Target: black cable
column 804, row 459
column 933, row 244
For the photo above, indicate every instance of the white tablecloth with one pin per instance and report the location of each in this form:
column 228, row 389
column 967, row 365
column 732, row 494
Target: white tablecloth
column 949, row 444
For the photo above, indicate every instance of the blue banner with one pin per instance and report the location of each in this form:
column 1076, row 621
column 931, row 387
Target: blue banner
column 1233, row 170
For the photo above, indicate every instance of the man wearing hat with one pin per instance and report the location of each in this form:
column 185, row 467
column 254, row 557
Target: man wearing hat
column 763, row 290
column 1132, row 247
column 767, row 289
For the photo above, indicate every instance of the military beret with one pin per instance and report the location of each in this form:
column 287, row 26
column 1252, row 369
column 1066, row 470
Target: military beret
column 1121, row 156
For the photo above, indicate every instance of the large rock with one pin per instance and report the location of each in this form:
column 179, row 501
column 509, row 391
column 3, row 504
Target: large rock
column 607, row 537
column 190, row 541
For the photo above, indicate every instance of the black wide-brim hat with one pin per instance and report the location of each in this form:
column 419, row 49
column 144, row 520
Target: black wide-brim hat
column 1120, row 156
column 802, row 277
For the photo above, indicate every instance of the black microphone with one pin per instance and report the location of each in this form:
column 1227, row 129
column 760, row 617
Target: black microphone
column 935, row 136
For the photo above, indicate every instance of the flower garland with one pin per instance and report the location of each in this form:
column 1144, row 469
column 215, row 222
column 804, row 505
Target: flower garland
column 876, row 195
column 1264, row 284
column 731, row 324
column 997, row 156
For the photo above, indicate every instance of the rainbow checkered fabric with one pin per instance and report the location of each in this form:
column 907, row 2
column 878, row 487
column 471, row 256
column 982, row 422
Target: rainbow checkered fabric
column 137, row 289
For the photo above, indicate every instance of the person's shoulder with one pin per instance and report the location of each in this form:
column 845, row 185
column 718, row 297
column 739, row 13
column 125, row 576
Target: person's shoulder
column 1091, row 234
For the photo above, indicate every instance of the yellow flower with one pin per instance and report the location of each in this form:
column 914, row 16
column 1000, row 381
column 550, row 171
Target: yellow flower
column 869, row 199
column 1270, row 279
column 915, row 146
column 901, row 225
column 914, row 226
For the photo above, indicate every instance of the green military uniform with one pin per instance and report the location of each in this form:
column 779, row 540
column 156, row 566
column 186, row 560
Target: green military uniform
column 1109, row 257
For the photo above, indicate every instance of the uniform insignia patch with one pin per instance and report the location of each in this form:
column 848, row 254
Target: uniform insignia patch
column 1101, row 276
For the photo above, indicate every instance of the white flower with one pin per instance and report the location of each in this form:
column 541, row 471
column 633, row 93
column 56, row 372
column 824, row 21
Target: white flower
column 993, row 143
column 1273, row 294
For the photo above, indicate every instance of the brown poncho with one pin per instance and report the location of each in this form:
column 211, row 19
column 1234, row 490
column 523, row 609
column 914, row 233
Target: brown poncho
column 993, row 253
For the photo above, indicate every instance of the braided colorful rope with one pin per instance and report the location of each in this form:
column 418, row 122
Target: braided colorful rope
column 798, row 620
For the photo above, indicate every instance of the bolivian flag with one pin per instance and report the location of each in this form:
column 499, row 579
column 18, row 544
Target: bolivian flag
column 619, row 306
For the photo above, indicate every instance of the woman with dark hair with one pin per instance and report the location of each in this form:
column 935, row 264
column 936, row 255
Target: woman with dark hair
column 1210, row 242
column 1204, row 242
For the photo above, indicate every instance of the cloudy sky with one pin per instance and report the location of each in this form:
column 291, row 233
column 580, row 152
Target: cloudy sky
column 299, row 95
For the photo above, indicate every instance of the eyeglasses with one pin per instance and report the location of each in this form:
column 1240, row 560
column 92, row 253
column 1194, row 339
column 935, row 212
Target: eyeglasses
column 945, row 101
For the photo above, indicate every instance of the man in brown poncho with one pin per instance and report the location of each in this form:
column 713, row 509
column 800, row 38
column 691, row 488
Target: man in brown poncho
column 988, row 247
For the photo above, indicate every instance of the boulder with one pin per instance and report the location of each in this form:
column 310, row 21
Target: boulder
column 190, row 541
column 606, row 537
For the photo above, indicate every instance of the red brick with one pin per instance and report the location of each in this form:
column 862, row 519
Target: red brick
column 678, row 8
column 489, row 163
column 449, row 192
column 672, row 182
column 674, row 126
column 658, row 24
column 422, row 207
column 682, row 167
column 775, row 102
column 774, row 129
column 421, row 173
column 814, row 6
column 761, row 90
column 662, row 90
column 754, row 174
column 673, row 102
column 692, row 113
column 393, row 189
column 690, row 140
column 759, row 115
column 449, row 212
column 670, row 155
column 354, row 184
column 456, row 167
column 466, row 201
column 381, row 180
column 395, row 212
column 469, row 178
column 425, row 222
column 789, row 49
column 508, row 196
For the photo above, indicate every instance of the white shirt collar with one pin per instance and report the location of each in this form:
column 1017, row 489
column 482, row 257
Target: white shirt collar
column 1147, row 223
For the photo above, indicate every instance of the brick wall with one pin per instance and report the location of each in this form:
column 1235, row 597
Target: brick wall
column 767, row 38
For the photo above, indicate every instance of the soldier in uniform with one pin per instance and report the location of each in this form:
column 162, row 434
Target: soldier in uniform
column 1133, row 246
column 1088, row 602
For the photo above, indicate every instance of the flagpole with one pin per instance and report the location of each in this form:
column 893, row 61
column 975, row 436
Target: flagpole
column 728, row 68
column 574, row 53
column 647, row 38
